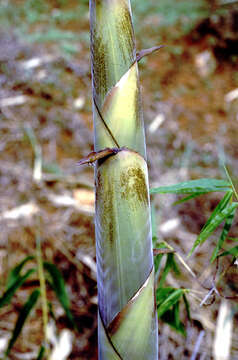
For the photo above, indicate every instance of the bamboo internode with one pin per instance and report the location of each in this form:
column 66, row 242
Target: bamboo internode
column 127, row 318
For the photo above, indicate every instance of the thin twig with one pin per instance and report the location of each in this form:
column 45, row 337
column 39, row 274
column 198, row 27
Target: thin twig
column 197, row 345
column 181, row 260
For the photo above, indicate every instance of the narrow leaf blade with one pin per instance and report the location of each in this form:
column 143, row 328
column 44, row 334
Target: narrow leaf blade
column 170, row 265
column 171, row 317
column 187, row 198
column 41, row 353
column 223, row 236
column 193, row 186
column 222, row 204
column 15, row 272
column 30, row 303
column 187, row 306
column 172, row 299
column 58, row 285
column 233, row 251
column 213, row 224
column 8, row 294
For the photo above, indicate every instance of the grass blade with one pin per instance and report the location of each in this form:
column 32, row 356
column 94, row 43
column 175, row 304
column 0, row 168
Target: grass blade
column 15, row 272
column 30, row 303
column 201, row 186
column 58, row 285
column 6, row 298
column 41, row 353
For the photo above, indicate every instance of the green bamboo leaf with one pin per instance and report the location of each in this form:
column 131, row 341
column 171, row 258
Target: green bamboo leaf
column 175, row 309
column 223, row 236
column 58, row 285
column 187, row 306
column 169, row 265
column 25, row 311
column 8, row 294
column 232, row 238
column 15, row 272
column 233, row 251
column 222, row 205
column 163, row 293
column 172, row 299
column 213, row 224
column 171, row 317
column 201, row 186
column 41, row 353
column 187, row 198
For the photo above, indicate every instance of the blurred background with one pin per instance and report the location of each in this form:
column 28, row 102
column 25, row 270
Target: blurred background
column 190, row 101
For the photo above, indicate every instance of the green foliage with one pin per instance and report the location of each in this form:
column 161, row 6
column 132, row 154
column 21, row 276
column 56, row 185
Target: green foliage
column 225, row 231
column 225, row 210
column 16, row 280
column 198, row 187
column 168, row 303
column 169, row 299
column 14, row 274
column 25, row 311
column 56, row 282
column 169, row 266
column 222, row 212
column 233, row 251
column 10, row 291
column 171, row 317
column 41, row 353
